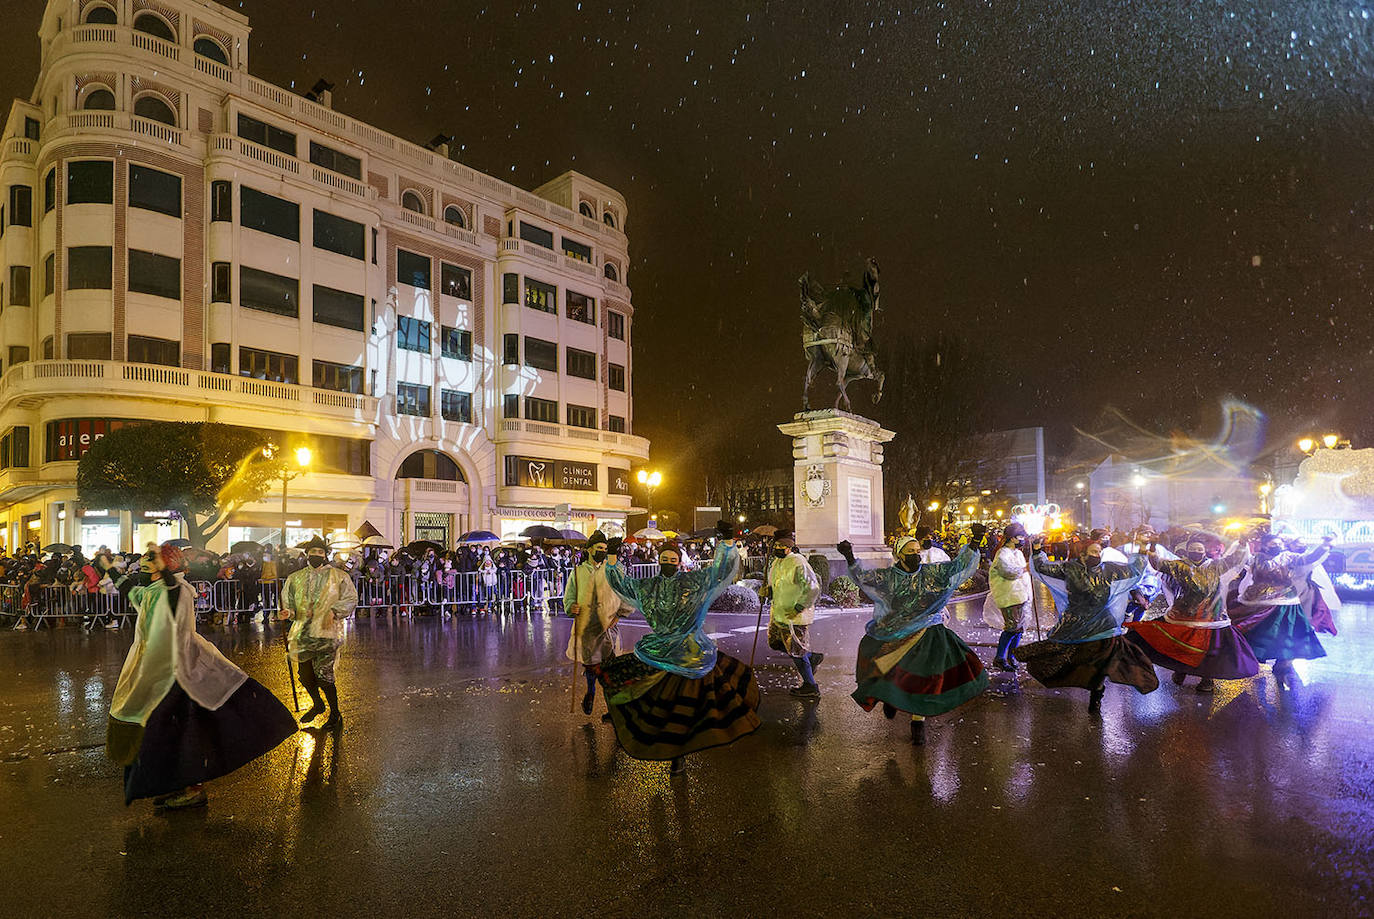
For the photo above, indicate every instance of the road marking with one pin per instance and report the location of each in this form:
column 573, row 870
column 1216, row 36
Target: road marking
column 749, row 628
column 717, row 635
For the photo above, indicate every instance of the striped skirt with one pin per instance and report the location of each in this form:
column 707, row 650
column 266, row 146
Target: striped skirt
column 936, row 673
column 1213, row 654
column 660, row 715
column 1086, row 664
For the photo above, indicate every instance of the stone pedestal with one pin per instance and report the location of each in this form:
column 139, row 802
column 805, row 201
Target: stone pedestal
column 838, row 481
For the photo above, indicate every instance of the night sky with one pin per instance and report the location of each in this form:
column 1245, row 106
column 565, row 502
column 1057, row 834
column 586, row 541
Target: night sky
column 1146, row 209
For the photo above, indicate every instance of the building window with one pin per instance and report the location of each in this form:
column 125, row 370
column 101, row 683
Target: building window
column 98, row 100
column 338, row 308
column 585, row 210
column 220, row 357
column 259, row 132
column 90, row 182
column 455, row 343
column 574, row 249
column 510, row 288
column 541, row 410
column 89, row 267
column 412, row 269
column 615, row 424
column 21, row 206
column 19, row 286
column 18, row 355
column 412, row 335
column 154, row 109
column 30, row 128
column 50, row 190
column 269, row 214
column 221, row 283
column 581, row 416
column 101, row 16
column 154, row 190
column 209, row 48
column 268, row 292
column 455, row 281
column 510, row 349
column 540, row 354
column 430, row 464
column 615, row 324
column 541, row 296
column 47, row 348
column 49, row 274
column 608, row 219
column 537, row 235
column 222, row 201
column 374, row 245
column 453, row 214
column 88, row 346
column 154, row 25
column 268, row 365
column 336, row 161
column 412, row 399
column 14, row 448
column 581, row 308
column 145, row 350
column 411, row 201
column 581, row 364
column 337, row 234
column 338, row 377
column 455, row 406
column 510, row 406
column 151, row 273
column 615, row 377
column 610, row 272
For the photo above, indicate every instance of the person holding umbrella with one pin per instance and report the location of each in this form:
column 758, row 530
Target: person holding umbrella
column 317, row 598
column 594, row 606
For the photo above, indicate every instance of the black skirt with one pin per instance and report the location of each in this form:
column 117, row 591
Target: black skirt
column 1087, row 664
column 186, row 744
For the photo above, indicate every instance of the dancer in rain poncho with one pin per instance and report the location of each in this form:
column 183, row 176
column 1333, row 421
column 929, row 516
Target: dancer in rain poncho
column 1085, row 647
column 1195, row 637
column 1269, row 611
column 182, row 714
column 317, row 599
column 908, row 660
column 675, row 694
column 595, row 609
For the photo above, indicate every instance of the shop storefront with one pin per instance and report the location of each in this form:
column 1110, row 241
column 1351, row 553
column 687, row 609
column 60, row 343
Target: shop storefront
column 266, row 528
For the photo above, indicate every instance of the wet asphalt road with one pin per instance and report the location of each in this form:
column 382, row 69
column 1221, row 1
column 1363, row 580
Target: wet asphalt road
column 462, row 786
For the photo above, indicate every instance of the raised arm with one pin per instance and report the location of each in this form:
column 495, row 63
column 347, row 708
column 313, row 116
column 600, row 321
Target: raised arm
column 625, row 587
column 1049, row 569
column 1115, row 571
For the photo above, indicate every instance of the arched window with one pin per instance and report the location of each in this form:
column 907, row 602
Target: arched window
column 209, row 48
column 412, row 201
column 99, row 99
column 610, row 272
column 430, row 464
column 454, row 214
column 608, row 219
column 101, row 16
column 152, row 107
column 155, row 26
column 585, row 210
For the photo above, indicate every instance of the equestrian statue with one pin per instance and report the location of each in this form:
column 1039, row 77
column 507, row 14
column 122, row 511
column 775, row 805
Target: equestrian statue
column 837, row 333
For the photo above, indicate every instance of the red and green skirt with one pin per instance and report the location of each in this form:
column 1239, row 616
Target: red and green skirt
column 1277, row 632
column 660, row 715
column 1085, row 665
column 937, row 674
column 1213, row 654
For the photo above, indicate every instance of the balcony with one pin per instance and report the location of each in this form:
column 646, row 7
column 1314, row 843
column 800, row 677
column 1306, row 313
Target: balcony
column 33, row 384
column 514, row 430
column 120, row 122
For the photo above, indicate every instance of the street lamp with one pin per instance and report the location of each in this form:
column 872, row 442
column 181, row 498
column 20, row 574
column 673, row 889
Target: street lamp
column 1329, row 441
column 1306, row 444
column 303, row 457
column 650, row 481
column 934, row 506
column 741, row 518
column 1264, row 490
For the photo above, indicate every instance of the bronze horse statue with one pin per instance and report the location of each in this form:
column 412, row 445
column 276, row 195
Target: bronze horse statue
column 837, row 333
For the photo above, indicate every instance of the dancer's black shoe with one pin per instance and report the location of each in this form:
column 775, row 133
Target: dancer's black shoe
column 918, row 733
column 889, row 711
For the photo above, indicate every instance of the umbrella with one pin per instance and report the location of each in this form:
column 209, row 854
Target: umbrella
column 180, row 543
column 366, row 531
column 539, row 531
column 57, row 547
column 420, row 545
column 573, row 535
column 479, row 536
column 766, row 530
column 247, row 546
column 378, row 542
column 669, row 534
column 649, row 533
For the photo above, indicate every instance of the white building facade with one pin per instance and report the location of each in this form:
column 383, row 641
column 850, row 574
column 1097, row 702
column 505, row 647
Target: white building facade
column 184, row 242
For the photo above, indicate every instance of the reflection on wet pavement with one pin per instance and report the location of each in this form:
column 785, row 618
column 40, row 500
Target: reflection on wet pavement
column 463, row 785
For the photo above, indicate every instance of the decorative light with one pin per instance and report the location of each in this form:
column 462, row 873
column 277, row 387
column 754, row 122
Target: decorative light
column 1138, row 480
column 651, row 479
column 1306, row 444
column 1265, row 488
column 999, row 514
column 987, row 491
column 741, row 518
column 1330, row 440
column 1080, row 485
column 969, row 509
column 1033, row 516
column 934, row 506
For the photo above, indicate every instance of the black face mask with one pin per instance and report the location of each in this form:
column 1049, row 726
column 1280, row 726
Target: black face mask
column 667, row 570
column 910, row 562
column 780, row 552
column 1197, row 558
column 1271, row 551
column 314, row 561
column 927, row 543
column 1092, row 561
column 599, row 555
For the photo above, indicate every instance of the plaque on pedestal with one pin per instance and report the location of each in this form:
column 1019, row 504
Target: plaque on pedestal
column 838, row 475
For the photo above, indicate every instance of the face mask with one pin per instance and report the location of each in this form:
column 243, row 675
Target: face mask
column 911, row 561
column 926, row 543
column 314, row 561
column 1197, row 558
column 780, row 552
column 667, row 570
column 1018, row 542
column 1271, row 551
column 599, row 555
column 1092, row 561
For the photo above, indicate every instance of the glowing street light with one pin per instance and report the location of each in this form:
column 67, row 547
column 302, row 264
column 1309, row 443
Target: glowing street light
column 1138, row 480
column 1307, row 444
column 1330, row 441
column 303, row 457
column 742, row 518
column 933, row 506
column 1080, row 485
column 650, row 481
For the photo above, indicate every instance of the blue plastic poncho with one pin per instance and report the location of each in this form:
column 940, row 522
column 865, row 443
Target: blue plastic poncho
column 905, row 602
column 1091, row 601
column 675, row 607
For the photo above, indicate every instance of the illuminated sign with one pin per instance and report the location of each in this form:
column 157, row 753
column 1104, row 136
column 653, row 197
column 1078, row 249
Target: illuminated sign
column 617, row 481
column 532, row 472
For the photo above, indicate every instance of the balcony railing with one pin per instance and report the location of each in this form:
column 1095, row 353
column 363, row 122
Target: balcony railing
column 119, row 121
column 44, row 379
column 626, row 444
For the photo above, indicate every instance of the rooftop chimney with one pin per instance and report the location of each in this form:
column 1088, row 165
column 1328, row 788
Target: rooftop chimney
column 322, row 93
column 440, row 144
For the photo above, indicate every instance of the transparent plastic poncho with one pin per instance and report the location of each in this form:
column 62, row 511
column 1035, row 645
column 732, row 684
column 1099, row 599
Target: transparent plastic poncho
column 905, row 602
column 1091, row 601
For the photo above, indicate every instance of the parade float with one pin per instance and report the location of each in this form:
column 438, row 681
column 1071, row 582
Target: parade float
column 1333, row 495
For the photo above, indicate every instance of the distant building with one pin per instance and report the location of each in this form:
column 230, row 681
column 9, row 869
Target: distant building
column 1012, row 463
column 766, row 496
column 1193, row 488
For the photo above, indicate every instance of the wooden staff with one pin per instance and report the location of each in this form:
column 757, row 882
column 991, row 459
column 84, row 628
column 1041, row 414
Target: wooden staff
column 1035, row 603
column 286, row 644
column 767, row 563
